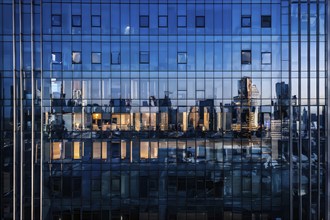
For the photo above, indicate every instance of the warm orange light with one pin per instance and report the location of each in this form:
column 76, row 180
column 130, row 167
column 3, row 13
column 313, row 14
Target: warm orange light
column 97, row 116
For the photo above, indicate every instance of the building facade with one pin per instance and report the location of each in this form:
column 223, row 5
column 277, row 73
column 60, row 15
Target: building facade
column 164, row 109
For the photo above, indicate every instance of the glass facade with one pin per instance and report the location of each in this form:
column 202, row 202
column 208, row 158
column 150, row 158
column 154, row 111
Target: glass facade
column 200, row 109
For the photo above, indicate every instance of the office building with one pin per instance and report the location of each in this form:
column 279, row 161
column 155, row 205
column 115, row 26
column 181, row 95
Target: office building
column 164, row 109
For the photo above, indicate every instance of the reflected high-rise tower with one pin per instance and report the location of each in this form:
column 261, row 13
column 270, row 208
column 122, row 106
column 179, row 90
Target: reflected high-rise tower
column 139, row 109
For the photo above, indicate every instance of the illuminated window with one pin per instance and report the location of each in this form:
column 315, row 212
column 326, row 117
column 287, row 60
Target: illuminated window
column 266, row 58
column 76, row 150
column 144, row 151
column 76, row 57
column 56, row 57
column 104, row 150
column 96, row 57
column 56, row 150
column 96, row 150
column 153, row 150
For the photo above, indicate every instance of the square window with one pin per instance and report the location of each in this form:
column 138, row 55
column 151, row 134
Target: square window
column 96, row 57
column 246, row 21
column 266, row 21
column 96, row 21
column 76, row 20
column 144, row 21
column 266, row 58
column 115, row 57
column 200, row 21
column 56, row 58
column 182, row 57
column 76, row 57
column 162, row 21
column 246, row 57
column 144, row 57
column 182, row 21
column 56, row 20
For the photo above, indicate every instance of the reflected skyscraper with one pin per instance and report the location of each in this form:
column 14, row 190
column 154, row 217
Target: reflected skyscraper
column 197, row 109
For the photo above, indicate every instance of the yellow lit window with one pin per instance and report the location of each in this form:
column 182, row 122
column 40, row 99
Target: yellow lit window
column 96, row 150
column 104, row 150
column 56, row 150
column 144, row 151
column 76, row 150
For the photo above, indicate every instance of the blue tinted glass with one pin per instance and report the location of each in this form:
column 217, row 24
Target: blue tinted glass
column 96, row 21
column 182, row 21
column 76, row 20
column 144, row 57
column 162, row 21
column 246, row 21
column 144, row 21
column 56, row 20
column 200, row 21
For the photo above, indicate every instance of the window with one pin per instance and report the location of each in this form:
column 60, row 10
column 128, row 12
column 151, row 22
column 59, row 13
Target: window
column 96, row 21
column 96, row 57
column 144, row 21
column 144, row 57
column 182, row 57
column 182, row 21
column 56, row 57
column 96, row 150
column 76, row 150
column 246, row 57
column 76, row 20
column 162, row 21
column 56, row 20
column 56, row 154
column 200, row 21
column 76, row 57
column 246, row 21
column 266, row 58
column 115, row 57
column 266, row 21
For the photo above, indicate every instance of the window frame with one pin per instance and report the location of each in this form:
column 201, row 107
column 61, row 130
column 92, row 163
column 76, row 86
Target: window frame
column 266, row 17
column 73, row 62
column 246, row 62
column 57, row 54
column 60, row 19
column 141, row 23
column 72, row 21
column 100, row 53
column 270, row 59
column 196, row 23
column 96, row 16
column 246, row 17
column 144, row 53
column 112, row 58
column 182, row 53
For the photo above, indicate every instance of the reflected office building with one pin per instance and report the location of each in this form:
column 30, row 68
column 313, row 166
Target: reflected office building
column 169, row 110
